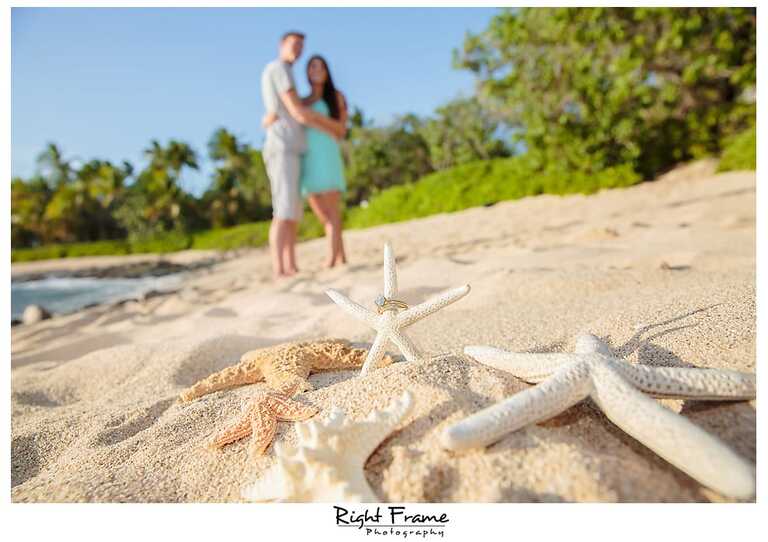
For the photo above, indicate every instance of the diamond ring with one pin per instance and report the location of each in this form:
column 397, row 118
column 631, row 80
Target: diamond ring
column 385, row 304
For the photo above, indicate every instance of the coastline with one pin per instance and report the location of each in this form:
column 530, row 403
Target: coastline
column 123, row 266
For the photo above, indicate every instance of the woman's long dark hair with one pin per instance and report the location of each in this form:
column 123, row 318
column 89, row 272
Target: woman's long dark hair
column 329, row 90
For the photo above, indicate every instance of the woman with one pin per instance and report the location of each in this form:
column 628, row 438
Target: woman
column 322, row 172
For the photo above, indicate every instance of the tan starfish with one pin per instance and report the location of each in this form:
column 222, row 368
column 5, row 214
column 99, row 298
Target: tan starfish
column 260, row 417
column 283, row 365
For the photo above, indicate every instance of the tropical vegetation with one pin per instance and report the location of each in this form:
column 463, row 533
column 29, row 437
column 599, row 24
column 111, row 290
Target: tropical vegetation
column 568, row 100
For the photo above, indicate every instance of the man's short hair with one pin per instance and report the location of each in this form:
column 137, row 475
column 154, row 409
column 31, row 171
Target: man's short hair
column 290, row 33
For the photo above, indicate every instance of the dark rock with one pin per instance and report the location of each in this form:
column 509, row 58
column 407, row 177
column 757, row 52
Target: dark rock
column 125, row 271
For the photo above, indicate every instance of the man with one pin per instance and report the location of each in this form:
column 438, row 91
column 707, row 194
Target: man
column 282, row 150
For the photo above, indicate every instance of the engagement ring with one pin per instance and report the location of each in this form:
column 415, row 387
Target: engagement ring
column 384, row 304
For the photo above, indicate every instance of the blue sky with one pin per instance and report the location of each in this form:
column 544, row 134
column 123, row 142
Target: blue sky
column 103, row 82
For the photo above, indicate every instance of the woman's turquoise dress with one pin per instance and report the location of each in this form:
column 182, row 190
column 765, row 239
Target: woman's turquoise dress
column 321, row 166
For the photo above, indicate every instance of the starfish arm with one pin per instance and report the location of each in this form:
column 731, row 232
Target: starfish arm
column 239, row 430
column 528, row 367
column 671, row 436
column 352, row 308
column 689, row 383
column 562, row 390
column 337, row 354
column 286, row 380
column 390, row 272
column 288, row 388
column 286, row 409
column 263, row 426
column 375, row 354
column 422, row 310
column 237, row 375
column 406, row 346
column 586, row 343
column 379, row 425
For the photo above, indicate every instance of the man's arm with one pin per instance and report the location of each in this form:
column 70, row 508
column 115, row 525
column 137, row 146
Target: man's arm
column 306, row 115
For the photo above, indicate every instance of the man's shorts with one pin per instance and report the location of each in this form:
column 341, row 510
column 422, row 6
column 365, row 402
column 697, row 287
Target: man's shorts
column 283, row 170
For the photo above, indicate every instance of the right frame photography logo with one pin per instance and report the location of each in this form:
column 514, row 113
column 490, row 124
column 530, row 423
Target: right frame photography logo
column 392, row 521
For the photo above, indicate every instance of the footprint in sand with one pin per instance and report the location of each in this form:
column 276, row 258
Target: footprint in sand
column 212, row 355
column 36, row 398
column 124, row 427
column 25, row 459
column 220, row 312
column 734, row 222
column 599, row 234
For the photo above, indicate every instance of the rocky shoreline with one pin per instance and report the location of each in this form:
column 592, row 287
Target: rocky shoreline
column 129, row 270
column 157, row 266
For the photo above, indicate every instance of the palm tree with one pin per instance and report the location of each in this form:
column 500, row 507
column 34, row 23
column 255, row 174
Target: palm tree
column 28, row 202
column 226, row 200
column 224, row 147
column 102, row 184
column 156, row 202
column 54, row 168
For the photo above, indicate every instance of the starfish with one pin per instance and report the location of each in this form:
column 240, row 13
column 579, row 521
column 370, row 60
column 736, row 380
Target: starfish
column 613, row 384
column 389, row 323
column 260, row 416
column 282, row 365
column 327, row 462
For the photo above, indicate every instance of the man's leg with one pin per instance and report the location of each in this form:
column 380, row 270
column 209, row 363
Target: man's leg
column 293, row 168
column 289, row 249
column 276, row 246
column 280, row 172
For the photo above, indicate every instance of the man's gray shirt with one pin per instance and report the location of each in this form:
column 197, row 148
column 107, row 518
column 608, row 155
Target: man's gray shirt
column 286, row 134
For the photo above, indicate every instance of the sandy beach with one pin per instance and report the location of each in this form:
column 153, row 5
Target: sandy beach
column 663, row 271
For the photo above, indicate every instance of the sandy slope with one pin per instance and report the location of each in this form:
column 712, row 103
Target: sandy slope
column 664, row 271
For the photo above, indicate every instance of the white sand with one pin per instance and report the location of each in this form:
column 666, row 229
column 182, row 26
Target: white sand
column 664, row 271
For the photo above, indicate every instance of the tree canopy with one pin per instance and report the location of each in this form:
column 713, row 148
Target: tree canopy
column 596, row 87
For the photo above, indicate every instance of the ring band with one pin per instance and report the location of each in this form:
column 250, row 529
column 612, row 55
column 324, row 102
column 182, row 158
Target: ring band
column 385, row 304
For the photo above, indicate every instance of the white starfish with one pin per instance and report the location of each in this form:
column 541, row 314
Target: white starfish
column 613, row 383
column 390, row 323
column 327, row 462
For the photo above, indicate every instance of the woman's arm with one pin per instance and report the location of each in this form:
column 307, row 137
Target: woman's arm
column 342, row 113
column 337, row 128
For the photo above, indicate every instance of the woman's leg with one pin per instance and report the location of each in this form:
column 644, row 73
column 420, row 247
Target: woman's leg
column 319, row 205
column 333, row 206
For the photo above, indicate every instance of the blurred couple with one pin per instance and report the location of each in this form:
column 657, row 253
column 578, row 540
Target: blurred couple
column 301, row 153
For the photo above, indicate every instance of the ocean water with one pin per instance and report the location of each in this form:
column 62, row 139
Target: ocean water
column 62, row 294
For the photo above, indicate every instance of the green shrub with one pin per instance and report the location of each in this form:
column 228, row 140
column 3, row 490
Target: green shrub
column 739, row 152
column 245, row 235
column 254, row 234
column 596, row 87
column 310, row 227
column 70, row 250
column 166, row 242
column 469, row 185
column 480, row 183
column 45, row 252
